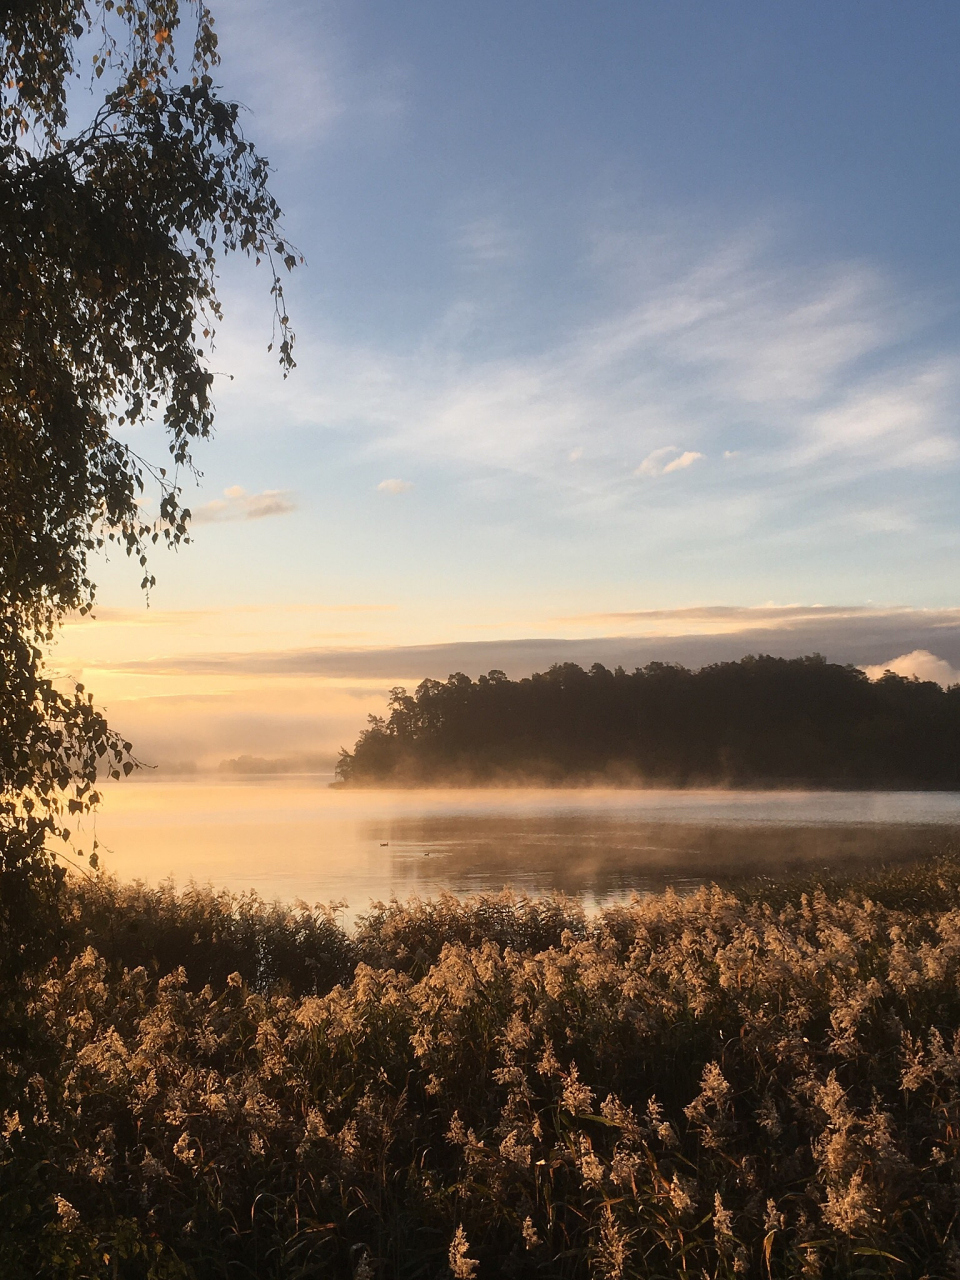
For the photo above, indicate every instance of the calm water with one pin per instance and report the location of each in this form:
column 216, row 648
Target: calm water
column 295, row 838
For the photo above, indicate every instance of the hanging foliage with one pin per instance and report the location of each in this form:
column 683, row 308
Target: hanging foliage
column 110, row 232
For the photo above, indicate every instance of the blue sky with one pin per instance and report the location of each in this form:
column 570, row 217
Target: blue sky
column 609, row 307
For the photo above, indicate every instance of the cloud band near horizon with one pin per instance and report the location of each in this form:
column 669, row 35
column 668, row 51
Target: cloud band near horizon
column 861, row 636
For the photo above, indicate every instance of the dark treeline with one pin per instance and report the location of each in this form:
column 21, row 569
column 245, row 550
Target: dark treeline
column 762, row 720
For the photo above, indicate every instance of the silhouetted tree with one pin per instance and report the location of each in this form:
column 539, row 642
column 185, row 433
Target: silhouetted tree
column 110, row 229
column 764, row 720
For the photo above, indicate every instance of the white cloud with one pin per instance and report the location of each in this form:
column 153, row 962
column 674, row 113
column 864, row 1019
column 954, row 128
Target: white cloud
column 654, row 463
column 666, row 459
column 920, row 663
column 394, row 486
column 237, row 504
column 685, row 460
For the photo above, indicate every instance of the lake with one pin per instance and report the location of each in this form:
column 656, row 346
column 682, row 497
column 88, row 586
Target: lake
column 293, row 837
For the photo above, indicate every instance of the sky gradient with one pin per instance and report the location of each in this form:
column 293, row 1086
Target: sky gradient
column 614, row 315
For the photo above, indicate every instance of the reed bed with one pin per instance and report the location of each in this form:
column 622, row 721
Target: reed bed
column 756, row 1083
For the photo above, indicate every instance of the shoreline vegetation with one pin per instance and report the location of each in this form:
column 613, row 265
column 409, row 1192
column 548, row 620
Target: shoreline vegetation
column 758, row 1080
column 762, row 722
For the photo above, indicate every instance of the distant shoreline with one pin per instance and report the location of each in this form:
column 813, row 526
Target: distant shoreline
column 602, row 784
column 327, row 781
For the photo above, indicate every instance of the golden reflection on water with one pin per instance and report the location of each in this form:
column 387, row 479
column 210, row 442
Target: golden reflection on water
column 296, row 838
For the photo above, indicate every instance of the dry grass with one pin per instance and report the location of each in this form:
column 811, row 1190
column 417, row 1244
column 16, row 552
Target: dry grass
column 761, row 1084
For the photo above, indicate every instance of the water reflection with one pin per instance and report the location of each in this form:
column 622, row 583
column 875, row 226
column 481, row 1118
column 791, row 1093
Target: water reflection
column 291, row 838
column 606, row 860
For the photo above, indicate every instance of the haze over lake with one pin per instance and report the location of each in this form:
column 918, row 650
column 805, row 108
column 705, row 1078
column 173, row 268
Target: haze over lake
column 294, row 837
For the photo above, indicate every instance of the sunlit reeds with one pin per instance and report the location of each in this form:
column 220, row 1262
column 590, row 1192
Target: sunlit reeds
column 718, row 1085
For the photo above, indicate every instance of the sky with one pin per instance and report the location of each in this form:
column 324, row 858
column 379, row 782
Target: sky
column 627, row 330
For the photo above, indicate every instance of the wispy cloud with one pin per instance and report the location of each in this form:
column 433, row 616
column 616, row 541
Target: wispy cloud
column 144, row 617
column 291, row 81
column 237, row 504
column 821, row 384
column 289, row 64
column 715, row 619
column 395, row 486
column 487, row 241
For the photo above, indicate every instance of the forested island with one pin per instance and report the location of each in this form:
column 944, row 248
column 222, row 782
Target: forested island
column 761, row 721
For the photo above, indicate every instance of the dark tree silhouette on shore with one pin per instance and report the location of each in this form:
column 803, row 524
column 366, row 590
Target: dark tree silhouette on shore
column 763, row 720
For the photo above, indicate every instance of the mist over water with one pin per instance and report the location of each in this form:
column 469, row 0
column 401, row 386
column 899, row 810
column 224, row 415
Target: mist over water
column 295, row 838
